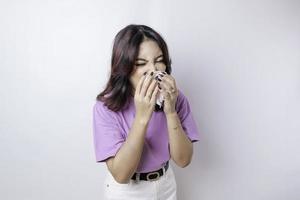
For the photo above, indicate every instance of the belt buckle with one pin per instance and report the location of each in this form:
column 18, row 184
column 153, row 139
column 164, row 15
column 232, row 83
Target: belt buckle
column 153, row 179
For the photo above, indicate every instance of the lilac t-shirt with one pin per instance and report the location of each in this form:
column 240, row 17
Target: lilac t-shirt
column 111, row 130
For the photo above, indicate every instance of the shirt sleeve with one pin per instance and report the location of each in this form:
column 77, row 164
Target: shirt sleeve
column 107, row 135
column 186, row 117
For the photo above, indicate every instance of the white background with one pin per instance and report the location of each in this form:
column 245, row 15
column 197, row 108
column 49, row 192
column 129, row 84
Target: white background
column 238, row 62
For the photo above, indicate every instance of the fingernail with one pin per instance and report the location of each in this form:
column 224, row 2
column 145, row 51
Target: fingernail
column 151, row 73
column 145, row 73
column 159, row 87
column 164, row 72
column 158, row 79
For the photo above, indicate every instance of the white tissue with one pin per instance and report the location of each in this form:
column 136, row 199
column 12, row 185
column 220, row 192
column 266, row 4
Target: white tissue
column 160, row 97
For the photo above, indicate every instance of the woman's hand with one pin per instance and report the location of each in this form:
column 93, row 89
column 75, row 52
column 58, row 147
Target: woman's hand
column 145, row 97
column 169, row 90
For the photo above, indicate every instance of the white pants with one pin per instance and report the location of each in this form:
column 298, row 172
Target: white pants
column 162, row 189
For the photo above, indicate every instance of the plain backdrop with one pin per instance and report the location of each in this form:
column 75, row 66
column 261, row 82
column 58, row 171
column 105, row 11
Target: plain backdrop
column 238, row 62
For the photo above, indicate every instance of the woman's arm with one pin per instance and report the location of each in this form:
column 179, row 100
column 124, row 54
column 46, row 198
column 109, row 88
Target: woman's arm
column 126, row 161
column 181, row 148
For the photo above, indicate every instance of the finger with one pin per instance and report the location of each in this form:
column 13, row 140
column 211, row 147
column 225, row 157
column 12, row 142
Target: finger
column 165, row 94
column 151, row 88
column 154, row 95
column 167, row 98
column 171, row 93
column 146, row 84
column 170, row 80
column 165, row 86
column 139, row 85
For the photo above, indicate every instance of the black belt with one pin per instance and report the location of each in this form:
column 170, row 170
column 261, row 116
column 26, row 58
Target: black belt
column 151, row 176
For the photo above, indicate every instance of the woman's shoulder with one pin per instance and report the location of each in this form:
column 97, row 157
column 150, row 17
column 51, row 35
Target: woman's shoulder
column 100, row 105
column 101, row 109
column 181, row 96
column 182, row 101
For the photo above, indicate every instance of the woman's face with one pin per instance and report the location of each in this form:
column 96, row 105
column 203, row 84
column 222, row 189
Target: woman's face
column 150, row 58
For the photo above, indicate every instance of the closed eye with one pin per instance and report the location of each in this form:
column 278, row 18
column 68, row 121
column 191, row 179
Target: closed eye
column 141, row 64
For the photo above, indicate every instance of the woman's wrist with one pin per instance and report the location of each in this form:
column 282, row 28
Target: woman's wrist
column 142, row 121
column 171, row 114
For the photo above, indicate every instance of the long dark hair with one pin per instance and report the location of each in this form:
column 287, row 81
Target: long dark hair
column 125, row 51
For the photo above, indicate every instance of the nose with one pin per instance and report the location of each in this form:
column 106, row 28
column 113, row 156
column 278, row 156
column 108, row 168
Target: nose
column 153, row 67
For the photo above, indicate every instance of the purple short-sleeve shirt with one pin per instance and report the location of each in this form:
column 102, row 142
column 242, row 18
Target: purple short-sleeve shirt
column 110, row 130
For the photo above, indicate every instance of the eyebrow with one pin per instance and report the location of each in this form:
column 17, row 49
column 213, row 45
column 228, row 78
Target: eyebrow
column 146, row 60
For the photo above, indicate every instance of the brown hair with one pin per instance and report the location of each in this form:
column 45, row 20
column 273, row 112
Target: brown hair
column 125, row 51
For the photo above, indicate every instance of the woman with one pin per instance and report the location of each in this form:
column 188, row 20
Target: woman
column 133, row 134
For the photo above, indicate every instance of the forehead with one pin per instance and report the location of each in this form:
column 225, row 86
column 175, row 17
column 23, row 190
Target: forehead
column 149, row 49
